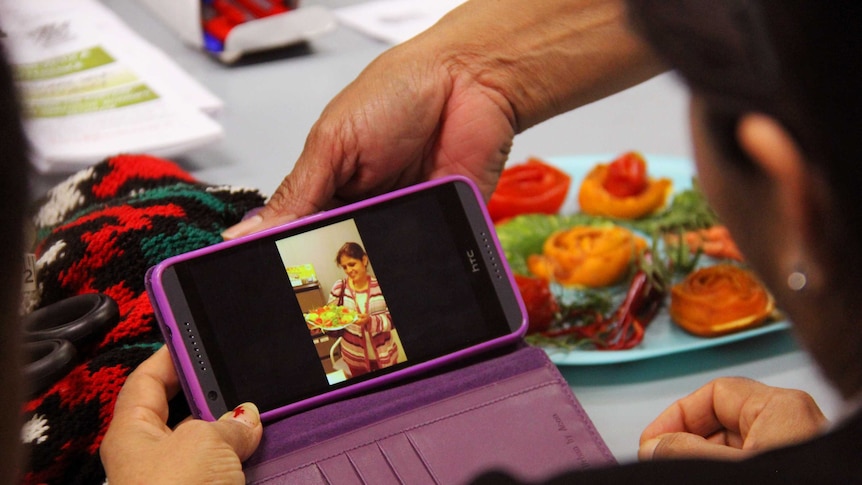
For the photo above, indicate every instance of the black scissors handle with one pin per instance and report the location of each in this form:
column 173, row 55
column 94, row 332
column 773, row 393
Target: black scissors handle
column 48, row 361
column 56, row 333
column 79, row 319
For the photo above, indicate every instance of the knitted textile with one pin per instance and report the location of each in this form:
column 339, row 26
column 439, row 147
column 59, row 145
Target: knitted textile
column 99, row 231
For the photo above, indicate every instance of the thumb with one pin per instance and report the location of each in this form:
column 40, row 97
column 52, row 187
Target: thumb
column 241, row 429
column 307, row 189
column 686, row 445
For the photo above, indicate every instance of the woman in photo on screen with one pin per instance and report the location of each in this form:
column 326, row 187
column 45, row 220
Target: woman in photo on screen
column 367, row 344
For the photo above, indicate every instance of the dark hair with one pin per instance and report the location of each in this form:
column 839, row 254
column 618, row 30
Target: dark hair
column 795, row 60
column 13, row 191
column 349, row 249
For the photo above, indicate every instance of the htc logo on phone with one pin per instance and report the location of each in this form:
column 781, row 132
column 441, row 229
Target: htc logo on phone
column 474, row 261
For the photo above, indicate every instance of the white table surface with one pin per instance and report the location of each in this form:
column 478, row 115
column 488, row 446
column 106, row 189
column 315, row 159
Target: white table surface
column 271, row 105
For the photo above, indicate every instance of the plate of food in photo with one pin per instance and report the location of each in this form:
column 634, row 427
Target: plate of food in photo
column 331, row 317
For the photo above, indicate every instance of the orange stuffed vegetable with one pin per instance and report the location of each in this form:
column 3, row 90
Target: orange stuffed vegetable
column 622, row 189
column 720, row 299
column 590, row 256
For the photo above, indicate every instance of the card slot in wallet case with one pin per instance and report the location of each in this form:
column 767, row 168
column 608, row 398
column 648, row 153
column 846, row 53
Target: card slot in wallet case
column 513, row 412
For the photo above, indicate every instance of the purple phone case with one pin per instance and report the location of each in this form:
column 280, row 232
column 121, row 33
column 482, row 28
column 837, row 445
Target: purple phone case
column 182, row 361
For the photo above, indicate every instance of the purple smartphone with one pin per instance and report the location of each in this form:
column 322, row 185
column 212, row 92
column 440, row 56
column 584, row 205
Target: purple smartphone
column 338, row 302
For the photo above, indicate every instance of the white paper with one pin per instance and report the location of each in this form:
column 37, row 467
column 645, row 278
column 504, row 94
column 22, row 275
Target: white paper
column 394, row 21
column 92, row 88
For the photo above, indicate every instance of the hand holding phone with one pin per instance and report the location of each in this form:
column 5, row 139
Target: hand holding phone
column 338, row 302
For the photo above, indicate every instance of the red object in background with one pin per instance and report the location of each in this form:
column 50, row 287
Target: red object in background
column 531, row 187
column 626, row 175
column 541, row 304
column 264, row 8
column 224, row 15
column 218, row 27
column 232, row 13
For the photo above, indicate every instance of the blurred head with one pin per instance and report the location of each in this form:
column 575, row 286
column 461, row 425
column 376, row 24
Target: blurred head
column 13, row 188
column 775, row 119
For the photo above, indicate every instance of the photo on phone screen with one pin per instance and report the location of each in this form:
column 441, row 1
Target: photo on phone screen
column 342, row 301
column 338, row 302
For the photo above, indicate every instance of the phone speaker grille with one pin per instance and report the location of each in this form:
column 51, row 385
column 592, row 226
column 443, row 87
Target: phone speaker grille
column 193, row 346
column 490, row 250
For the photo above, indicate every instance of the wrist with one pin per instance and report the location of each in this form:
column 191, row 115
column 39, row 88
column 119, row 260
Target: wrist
column 545, row 57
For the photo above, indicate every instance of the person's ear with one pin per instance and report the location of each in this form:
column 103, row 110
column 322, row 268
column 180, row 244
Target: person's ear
column 769, row 145
column 799, row 192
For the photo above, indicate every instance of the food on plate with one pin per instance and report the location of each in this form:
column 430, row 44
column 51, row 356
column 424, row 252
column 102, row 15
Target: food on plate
column 541, row 304
column 716, row 300
column 590, row 256
column 530, row 187
column 687, row 210
column 590, row 303
column 526, row 234
column 622, row 189
column 626, row 176
column 714, row 241
column 331, row 317
column 620, row 330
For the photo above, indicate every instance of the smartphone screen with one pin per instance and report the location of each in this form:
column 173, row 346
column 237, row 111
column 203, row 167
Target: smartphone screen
column 339, row 300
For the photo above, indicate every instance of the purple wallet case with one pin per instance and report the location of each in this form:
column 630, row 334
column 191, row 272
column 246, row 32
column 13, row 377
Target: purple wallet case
column 508, row 410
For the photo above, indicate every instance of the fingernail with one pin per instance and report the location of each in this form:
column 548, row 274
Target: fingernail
column 646, row 451
column 246, row 413
column 242, row 228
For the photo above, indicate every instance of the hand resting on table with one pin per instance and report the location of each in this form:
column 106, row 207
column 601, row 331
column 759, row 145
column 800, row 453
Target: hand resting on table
column 731, row 418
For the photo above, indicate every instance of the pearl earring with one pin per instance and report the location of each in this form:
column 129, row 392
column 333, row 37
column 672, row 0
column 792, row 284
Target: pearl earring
column 797, row 280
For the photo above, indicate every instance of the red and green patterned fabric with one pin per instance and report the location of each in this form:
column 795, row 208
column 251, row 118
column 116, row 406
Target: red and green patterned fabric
column 99, row 231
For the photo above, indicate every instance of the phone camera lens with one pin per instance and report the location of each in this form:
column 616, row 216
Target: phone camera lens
column 212, row 395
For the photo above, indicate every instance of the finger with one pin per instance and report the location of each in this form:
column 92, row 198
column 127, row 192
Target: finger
column 708, row 410
column 288, row 203
column 147, row 390
column 693, row 414
column 686, row 445
column 241, row 429
column 324, row 164
column 727, row 438
column 751, row 409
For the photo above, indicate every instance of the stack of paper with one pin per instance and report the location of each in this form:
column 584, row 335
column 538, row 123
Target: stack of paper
column 92, row 88
column 394, row 21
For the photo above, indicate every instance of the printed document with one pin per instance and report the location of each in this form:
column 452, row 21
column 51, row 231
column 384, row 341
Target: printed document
column 92, row 88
